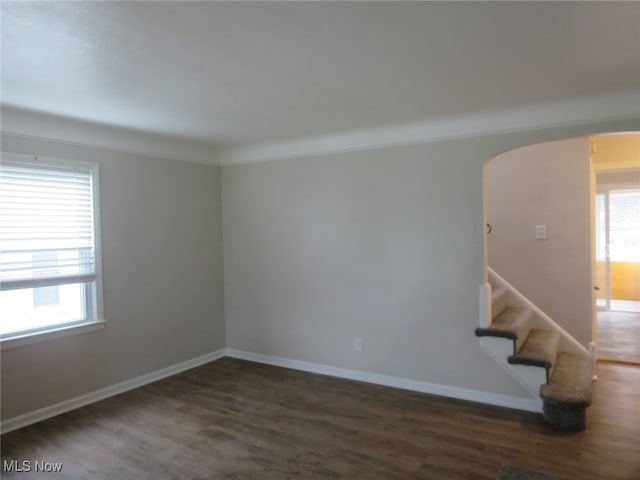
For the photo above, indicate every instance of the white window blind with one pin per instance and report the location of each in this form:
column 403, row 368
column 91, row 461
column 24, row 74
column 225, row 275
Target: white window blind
column 46, row 225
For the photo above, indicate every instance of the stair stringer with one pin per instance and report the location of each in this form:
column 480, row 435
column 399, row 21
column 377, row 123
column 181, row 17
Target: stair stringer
column 500, row 349
column 530, row 377
column 540, row 320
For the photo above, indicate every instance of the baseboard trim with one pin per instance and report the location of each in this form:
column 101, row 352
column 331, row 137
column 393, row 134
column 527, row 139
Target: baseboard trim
column 495, row 399
column 97, row 395
column 518, row 403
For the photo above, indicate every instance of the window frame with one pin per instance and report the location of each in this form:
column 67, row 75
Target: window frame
column 92, row 291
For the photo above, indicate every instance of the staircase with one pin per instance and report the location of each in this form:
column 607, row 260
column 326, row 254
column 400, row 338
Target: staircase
column 543, row 357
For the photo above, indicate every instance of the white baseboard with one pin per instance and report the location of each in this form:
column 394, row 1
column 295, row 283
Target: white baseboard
column 77, row 402
column 518, row 403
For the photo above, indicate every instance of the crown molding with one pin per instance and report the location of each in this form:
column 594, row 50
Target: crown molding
column 603, row 108
column 44, row 126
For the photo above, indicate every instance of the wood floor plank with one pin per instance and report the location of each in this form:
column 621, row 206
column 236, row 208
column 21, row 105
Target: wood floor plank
column 619, row 336
column 233, row 419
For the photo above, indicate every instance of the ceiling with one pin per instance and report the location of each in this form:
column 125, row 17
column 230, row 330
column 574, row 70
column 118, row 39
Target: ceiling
column 242, row 72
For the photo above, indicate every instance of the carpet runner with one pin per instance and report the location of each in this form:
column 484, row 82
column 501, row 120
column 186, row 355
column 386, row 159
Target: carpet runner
column 567, row 393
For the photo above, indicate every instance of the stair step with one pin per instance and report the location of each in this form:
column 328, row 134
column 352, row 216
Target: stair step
column 571, row 380
column 512, row 323
column 568, row 393
column 540, row 350
column 498, row 300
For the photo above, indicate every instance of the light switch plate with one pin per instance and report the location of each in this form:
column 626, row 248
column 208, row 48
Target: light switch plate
column 541, row 232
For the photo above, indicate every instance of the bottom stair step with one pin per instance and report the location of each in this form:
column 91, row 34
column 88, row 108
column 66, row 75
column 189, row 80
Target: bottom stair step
column 571, row 380
column 571, row 418
column 568, row 393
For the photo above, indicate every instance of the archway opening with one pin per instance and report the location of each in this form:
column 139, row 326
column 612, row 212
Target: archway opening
column 541, row 205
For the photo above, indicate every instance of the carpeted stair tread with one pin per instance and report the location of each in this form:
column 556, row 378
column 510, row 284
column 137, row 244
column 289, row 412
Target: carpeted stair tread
column 513, row 323
column 570, row 383
column 567, row 391
column 539, row 350
column 498, row 300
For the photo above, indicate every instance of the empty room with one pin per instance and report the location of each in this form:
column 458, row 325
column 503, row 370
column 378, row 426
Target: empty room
column 316, row 240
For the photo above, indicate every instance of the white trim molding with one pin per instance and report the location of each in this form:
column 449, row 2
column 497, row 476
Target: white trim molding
column 22, row 123
column 603, row 108
column 52, row 333
column 95, row 396
column 518, row 403
column 618, row 106
column 485, row 305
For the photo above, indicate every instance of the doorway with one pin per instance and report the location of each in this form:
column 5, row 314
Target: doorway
column 618, row 264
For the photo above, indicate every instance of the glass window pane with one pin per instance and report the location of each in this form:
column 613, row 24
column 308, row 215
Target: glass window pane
column 624, row 227
column 32, row 308
column 601, row 228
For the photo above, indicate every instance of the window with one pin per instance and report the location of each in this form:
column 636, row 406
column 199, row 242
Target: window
column 618, row 224
column 624, row 225
column 49, row 248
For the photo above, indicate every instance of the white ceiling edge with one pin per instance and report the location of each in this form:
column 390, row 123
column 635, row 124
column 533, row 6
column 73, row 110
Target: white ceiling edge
column 43, row 126
column 610, row 107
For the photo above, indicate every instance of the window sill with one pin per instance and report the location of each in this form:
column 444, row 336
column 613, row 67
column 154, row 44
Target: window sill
column 50, row 334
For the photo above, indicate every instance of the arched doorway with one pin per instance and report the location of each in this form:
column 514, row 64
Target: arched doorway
column 541, row 203
column 616, row 160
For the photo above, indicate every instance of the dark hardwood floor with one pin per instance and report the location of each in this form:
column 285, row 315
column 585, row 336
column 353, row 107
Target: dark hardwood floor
column 233, row 419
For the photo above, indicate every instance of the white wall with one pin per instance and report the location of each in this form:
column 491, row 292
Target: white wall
column 163, row 280
column 370, row 244
column 545, row 184
column 384, row 244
